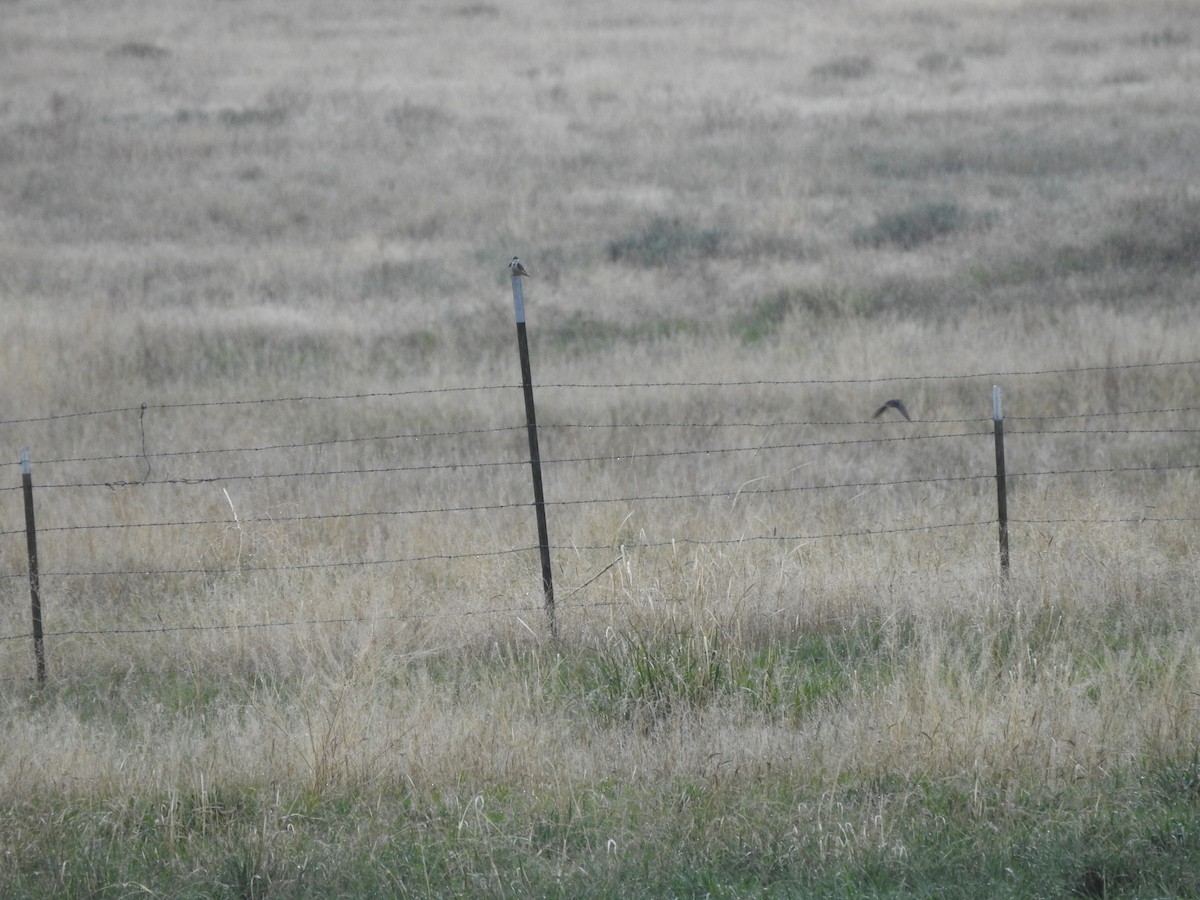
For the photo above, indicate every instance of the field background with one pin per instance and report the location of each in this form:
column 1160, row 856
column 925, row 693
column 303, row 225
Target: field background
column 763, row 216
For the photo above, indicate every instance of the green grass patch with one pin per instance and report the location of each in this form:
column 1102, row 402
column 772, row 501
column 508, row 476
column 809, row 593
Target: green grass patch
column 816, row 303
column 728, row 836
column 764, row 319
column 774, row 826
column 1160, row 232
column 916, row 225
column 139, row 50
column 666, row 242
column 646, row 676
column 845, row 68
column 1147, row 238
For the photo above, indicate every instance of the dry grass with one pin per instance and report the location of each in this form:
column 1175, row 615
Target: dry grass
column 253, row 203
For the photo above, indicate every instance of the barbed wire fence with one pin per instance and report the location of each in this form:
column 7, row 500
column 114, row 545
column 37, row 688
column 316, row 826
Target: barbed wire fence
column 123, row 508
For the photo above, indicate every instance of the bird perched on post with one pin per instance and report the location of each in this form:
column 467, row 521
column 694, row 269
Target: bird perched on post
column 518, row 268
column 897, row 405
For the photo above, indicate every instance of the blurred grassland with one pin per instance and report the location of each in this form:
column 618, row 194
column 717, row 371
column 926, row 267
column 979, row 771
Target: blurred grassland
column 762, row 687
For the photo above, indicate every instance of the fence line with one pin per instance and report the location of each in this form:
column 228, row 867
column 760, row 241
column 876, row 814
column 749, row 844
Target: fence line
column 303, row 398
column 566, row 460
column 567, row 548
column 1091, row 432
column 439, row 510
column 602, row 426
column 262, row 476
column 201, row 451
column 427, row 441
column 418, row 435
column 165, row 629
column 750, row 448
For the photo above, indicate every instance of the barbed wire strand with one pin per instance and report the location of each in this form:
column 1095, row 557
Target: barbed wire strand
column 523, row 504
column 567, row 460
column 420, row 436
column 318, row 398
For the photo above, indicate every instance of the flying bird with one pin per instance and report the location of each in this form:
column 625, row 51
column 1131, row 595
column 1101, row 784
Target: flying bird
column 897, row 405
column 518, row 268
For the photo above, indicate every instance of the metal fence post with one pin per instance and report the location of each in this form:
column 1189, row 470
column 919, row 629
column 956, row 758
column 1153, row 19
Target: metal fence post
column 1001, row 482
column 535, row 459
column 35, row 590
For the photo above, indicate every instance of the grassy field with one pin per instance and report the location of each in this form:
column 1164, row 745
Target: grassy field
column 765, row 216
